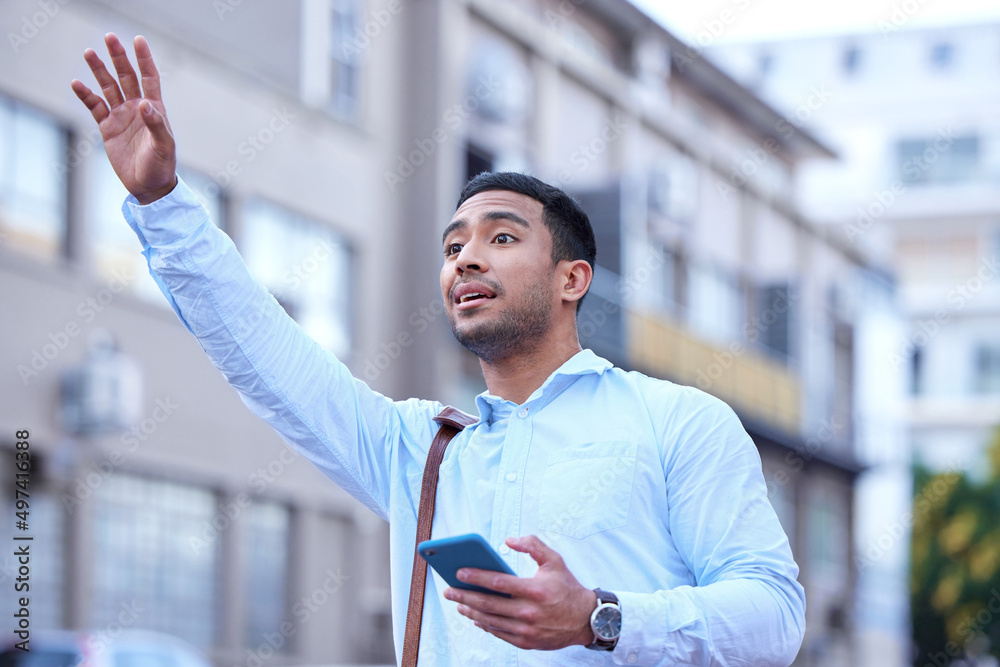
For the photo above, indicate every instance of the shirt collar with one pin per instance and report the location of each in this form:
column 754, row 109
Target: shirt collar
column 583, row 362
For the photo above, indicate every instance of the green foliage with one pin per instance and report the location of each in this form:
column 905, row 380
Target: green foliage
column 955, row 574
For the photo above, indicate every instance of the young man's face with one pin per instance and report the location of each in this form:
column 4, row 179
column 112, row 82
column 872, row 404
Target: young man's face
column 498, row 280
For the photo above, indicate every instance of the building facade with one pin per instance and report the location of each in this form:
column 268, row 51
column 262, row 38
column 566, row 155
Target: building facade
column 329, row 139
column 913, row 113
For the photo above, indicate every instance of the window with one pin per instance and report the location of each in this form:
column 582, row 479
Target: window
column 852, row 60
column 665, row 289
column 117, row 251
column 827, row 535
column 772, row 322
column 56, row 656
column 157, row 543
column 47, row 525
column 916, row 371
column 765, row 64
column 33, row 177
column 477, row 160
column 939, row 159
column 346, row 46
column 581, row 39
column 671, row 281
column 306, row 266
column 942, row 55
column 842, row 409
column 673, row 189
column 265, row 534
column 715, row 304
column 987, row 371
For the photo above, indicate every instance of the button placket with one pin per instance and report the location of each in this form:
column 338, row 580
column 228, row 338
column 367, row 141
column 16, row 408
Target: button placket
column 508, row 498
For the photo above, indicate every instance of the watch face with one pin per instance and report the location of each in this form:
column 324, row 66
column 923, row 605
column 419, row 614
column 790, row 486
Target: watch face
column 608, row 623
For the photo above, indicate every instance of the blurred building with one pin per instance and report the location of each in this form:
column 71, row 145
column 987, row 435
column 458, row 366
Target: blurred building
column 914, row 115
column 330, row 139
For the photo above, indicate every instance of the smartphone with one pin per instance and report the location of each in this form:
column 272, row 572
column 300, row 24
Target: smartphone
column 449, row 554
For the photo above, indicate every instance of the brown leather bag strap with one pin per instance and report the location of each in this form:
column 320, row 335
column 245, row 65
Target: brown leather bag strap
column 452, row 421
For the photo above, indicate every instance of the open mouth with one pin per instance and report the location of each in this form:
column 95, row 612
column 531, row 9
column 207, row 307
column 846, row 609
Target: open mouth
column 473, row 296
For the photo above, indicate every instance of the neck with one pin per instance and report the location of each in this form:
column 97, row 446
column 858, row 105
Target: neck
column 516, row 377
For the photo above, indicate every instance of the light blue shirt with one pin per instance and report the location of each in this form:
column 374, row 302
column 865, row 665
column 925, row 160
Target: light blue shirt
column 646, row 488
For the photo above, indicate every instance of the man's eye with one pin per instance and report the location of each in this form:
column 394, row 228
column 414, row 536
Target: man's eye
column 504, row 236
column 452, row 248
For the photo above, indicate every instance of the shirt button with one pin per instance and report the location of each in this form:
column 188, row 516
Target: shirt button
column 632, row 657
column 522, row 413
column 511, row 477
column 504, row 549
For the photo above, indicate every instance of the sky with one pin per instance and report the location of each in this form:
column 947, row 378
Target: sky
column 757, row 20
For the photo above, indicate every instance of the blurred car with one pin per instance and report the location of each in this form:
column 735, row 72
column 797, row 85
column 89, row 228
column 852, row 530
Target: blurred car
column 129, row 648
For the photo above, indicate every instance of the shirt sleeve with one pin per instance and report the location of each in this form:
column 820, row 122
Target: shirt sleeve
column 746, row 606
column 355, row 435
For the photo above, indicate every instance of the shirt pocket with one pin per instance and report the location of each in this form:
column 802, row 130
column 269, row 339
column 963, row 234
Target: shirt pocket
column 587, row 488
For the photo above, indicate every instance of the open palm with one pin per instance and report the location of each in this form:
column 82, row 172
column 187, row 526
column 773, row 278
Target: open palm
column 133, row 122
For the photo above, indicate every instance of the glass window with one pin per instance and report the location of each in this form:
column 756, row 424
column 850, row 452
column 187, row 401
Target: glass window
column 827, row 535
column 117, row 252
column 305, row 265
column 852, row 59
column 40, row 657
column 987, row 370
column 765, row 63
column 477, row 160
column 47, row 525
column 156, row 547
column 715, row 303
column 265, row 544
column 33, row 177
column 916, row 371
column 939, row 159
column 673, row 189
column 942, row 55
column 585, row 42
column 346, row 46
column 772, row 321
column 665, row 288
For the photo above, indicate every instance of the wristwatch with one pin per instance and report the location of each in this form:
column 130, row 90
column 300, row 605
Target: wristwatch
column 605, row 621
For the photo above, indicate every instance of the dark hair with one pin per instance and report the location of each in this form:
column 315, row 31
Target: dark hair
column 572, row 235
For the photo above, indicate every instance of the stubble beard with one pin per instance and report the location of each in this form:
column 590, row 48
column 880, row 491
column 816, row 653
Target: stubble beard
column 517, row 329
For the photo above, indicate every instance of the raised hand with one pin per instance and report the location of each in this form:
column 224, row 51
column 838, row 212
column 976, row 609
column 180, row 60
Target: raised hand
column 133, row 123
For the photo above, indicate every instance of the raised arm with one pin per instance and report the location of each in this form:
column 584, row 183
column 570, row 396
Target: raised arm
column 356, row 436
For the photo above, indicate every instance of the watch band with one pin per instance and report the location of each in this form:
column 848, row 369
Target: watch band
column 603, row 598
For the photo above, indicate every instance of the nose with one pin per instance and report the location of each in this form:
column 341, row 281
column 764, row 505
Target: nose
column 470, row 258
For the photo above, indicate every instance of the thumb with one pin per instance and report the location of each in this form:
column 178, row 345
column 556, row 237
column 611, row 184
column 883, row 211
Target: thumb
column 156, row 122
column 534, row 547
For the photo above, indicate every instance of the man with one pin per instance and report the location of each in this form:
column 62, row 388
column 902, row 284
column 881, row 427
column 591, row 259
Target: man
column 648, row 491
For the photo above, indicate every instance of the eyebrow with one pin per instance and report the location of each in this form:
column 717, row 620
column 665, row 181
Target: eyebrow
column 461, row 223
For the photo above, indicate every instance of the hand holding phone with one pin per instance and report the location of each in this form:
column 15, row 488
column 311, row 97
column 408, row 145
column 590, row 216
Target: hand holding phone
column 450, row 554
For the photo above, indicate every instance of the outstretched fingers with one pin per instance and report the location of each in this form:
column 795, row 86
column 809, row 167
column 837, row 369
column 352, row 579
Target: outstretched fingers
column 147, row 68
column 90, row 99
column 107, row 83
column 126, row 75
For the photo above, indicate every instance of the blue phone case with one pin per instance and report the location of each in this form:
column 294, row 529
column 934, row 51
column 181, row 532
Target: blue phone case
column 449, row 554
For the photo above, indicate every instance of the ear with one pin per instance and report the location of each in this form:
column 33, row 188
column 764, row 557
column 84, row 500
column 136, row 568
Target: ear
column 574, row 279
